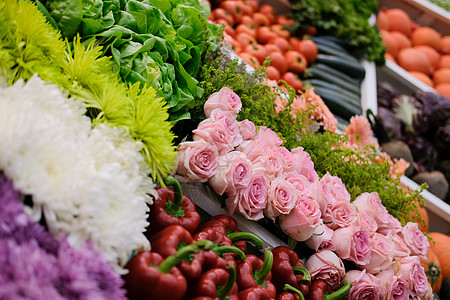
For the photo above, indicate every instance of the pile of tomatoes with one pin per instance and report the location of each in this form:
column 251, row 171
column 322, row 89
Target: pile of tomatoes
column 257, row 31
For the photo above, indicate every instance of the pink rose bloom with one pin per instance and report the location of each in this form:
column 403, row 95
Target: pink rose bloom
column 364, row 285
column 225, row 99
column 416, row 241
column 327, row 191
column 392, row 226
column 273, row 165
column 300, row 182
column 392, row 287
column 382, row 254
column 251, row 200
column 322, row 239
column 282, row 198
column 353, row 243
column 371, row 204
column 254, row 149
column 413, row 273
column 233, row 173
column 342, row 214
column 197, row 161
column 326, row 265
column 215, row 134
column 228, row 120
column 399, row 246
column 268, row 137
column 247, row 129
column 286, row 156
column 300, row 223
column 364, row 220
column 303, row 164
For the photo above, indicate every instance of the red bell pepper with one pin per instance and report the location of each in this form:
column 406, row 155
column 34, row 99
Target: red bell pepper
column 151, row 276
column 290, row 293
column 227, row 226
column 288, row 269
column 169, row 240
column 220, row 257
column 172, row 208
column 255, row 293
column 254, row 272
column 321, row 290
column 217, row 284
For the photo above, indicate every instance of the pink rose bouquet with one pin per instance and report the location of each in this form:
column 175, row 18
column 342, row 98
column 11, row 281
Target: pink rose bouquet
column 321, row 239
column 303, row 219
column 225, row 99
column 286, row 156
column 272, row 163
column 382, row 254
column 254, row 149
column 364, row 286
column 400, row 249
column 234, row 173
column 326, row 265
column 300, row 182
column 353, row 243
column 282, row 198
column 215, row 134
column 392, row 226
column 342, row 214
column 251, row 200
column 413, row 273
column 268, row 137
column 197, row 161
column 366, row 221
column 228, row 120
column 303, row 164
column 247, row 130
column 416, row 241
column 392, row 287
column 371, row 204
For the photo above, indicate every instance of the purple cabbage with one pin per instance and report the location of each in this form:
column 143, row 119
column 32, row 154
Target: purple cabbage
column 385, row 93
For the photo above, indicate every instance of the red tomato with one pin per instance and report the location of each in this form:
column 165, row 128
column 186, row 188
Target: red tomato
column 285, row 21
column 264, row 34
column 245, row 39
column 293, row 41
column 253, row 3
column 273, row 73
column 269, row 11
column 261, row 19
column 282, row 43
column 257, row 51
column 308, row 48
column 280, row 31
column 247, row 8
column 245, row 28
column 248, row 20
column 278, row 61
column 234, row 8
column 272, row 48
column 293, row 81
column 296, row 61
column 228, row 29
column 220, row 13
column 250, row 59
column 311, row 30
column 236, row 46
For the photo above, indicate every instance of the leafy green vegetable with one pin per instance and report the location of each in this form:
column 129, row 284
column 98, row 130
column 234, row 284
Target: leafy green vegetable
column 29, row 45
column 347, row 19
column 158, row 42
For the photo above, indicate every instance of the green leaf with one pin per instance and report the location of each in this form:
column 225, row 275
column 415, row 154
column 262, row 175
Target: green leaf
column 67, row 14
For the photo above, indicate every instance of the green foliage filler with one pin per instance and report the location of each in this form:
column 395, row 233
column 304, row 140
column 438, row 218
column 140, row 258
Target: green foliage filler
column 356, row 170
column 29, row 45
column 343, row 18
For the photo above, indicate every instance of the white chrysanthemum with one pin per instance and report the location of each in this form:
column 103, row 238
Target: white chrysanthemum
column 90, row 183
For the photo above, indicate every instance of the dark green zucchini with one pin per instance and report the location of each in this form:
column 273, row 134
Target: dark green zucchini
column 337, row 104
column 353, row 69
column 329, row 43
column 338, row 74
column 352, row 97
column 327, row 76
column 331, row 51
